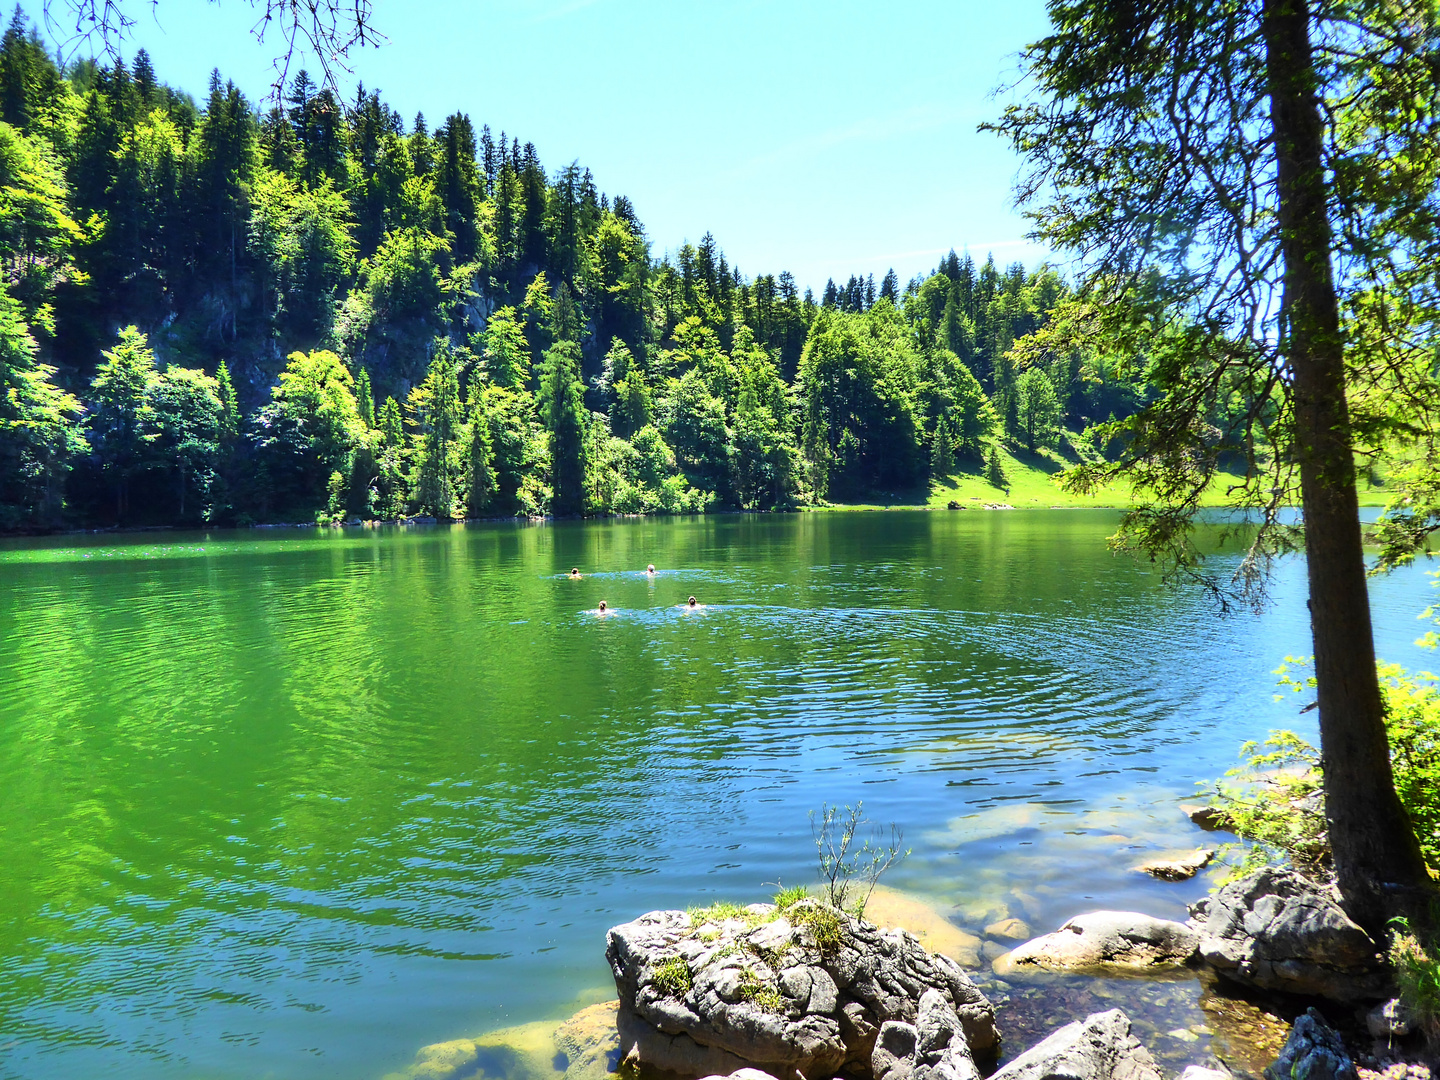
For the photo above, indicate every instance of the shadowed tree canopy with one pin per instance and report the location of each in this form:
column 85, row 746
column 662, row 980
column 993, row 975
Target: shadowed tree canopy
column 1249, row 187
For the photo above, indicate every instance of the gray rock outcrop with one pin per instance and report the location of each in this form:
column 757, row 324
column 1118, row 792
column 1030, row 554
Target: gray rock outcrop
column 1277, row 931
column 932, row 1048
column 1100, row 1047
column 806, row 990
column 1312, row 1052
column 1124, row 940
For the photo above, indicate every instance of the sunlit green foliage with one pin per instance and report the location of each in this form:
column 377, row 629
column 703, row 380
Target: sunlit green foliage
column 578, row 374
column 309, row 430
column 440, row 468
column 1274, row 797
column 1037, row 409
column 39, row 431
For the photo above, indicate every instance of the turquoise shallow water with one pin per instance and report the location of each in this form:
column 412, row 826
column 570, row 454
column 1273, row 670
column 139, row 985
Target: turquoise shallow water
column 294, row 804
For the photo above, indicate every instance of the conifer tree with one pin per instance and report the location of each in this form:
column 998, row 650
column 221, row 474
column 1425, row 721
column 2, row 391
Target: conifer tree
column 365, row 398
column 995, row 469
column 439, row 417
column 392, row 486
column 479, row 456
column 1297, row 139
column 562, row 410
column 119, row 414
column 890, row 287
column 942, row 457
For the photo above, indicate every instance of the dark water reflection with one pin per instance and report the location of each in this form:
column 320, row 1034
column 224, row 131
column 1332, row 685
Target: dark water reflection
column 294, row 804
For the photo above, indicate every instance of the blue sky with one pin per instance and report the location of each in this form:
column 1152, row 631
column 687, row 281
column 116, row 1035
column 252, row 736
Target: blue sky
column 823, row 138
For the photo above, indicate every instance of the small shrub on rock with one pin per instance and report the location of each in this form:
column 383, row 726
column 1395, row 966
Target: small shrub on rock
column 785, row 899
column 1417, row 976
column 672, row 977
column 850, row 864
column 825, row 923
column 718, row 912
column 760, row 994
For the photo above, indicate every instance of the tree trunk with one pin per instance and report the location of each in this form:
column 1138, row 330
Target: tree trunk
column 1378, row 864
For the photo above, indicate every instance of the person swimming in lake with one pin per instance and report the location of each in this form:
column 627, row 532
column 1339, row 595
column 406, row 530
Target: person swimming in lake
column 650, row 570
column 691, row 603
column 604, row 607
column 574, row 572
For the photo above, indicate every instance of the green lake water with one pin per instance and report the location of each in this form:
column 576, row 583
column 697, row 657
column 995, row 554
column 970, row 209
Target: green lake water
column 295, row 803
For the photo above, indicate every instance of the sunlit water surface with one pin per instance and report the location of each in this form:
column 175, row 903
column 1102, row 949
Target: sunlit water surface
column 296, row 803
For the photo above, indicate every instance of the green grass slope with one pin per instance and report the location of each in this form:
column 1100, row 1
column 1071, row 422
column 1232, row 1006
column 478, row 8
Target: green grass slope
column 1031, row 480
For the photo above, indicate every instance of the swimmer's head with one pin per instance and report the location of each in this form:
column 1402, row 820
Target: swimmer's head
column 690, row 602
column 650, row 569
column 603, row 605
column 574, row 571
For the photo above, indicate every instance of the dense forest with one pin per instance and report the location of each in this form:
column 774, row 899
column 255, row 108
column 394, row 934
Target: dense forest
column 315, row 311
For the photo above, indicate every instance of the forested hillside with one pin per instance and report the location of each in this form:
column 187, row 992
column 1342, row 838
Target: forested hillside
column 213, row 312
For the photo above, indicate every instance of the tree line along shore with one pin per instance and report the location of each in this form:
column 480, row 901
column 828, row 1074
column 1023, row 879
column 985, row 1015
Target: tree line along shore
column 217, row 312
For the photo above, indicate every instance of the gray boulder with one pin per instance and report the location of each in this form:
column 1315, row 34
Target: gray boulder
column 808, row 989
column 894, row 1055
column 1312, row 1052
column 1277, row 931
column 932, row 1048
column 941, row 1049
column 1100, row 1047
column 1124, row 940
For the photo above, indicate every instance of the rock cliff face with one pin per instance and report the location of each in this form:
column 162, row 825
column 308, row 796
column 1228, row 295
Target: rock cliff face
column 805, row 990
column 1277, row 931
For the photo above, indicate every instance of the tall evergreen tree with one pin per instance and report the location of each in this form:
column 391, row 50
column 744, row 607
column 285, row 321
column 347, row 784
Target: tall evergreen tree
column 439, row 470
column 120, row 413
column 562, row 410
column 1276, row 130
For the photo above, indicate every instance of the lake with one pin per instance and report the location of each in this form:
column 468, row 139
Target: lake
column 295, row 803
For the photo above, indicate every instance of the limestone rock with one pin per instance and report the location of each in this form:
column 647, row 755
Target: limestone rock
column 894, row 1055
column 936, row 933
column 1312, row 1052
column 932, row 1048
column 641, row 1043
column 807, row 989
column 941, row 1049
column 1100, row 1047
column 1277, row 931
column 1178, row 865
column 590, row 1041
column 1008, row 929
column 585, row 1047
column 1125, row 940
